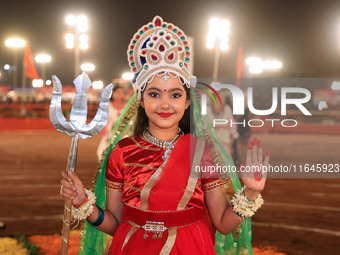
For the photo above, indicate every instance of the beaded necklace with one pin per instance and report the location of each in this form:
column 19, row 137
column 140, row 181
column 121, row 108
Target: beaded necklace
column 168, row 146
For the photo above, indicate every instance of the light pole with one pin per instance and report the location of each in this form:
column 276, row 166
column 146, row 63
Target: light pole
column 43, row 59
column 219, row 31
column 10, row 69
column 78, row 39
column 15, row 43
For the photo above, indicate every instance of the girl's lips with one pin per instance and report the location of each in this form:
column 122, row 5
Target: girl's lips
column 165, row 114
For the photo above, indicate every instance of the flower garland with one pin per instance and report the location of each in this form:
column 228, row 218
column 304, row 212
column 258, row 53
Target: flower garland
column 244, row 206
column 10, row 246
column 86, row 208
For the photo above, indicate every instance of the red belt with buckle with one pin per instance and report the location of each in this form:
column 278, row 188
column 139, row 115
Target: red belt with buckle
column 159, row 221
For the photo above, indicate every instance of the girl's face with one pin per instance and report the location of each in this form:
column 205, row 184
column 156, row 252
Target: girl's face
column 165, row 103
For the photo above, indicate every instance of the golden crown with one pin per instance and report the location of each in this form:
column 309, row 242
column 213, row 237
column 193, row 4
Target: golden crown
column 158, row 47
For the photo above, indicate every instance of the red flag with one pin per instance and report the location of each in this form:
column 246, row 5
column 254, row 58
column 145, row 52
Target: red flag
column 239, row 67
column 31, row 71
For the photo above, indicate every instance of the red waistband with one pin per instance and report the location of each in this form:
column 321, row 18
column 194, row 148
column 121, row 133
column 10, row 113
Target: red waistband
column 169, row 218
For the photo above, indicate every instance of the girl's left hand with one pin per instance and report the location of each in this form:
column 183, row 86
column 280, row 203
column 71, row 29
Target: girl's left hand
column 253, row 175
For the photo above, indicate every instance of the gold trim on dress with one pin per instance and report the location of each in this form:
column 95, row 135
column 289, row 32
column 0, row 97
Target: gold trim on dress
column 158, row 211
column 131, row 187
column 114, row 186
column 191, row 185
column 198, row 184
column 128, row 235
column 170, row 241
column 199, row 231
column 220, row 183
column 148, row 186
column 140, row 165
column 144, row 147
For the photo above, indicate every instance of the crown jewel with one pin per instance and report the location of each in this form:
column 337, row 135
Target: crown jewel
column 158, row 47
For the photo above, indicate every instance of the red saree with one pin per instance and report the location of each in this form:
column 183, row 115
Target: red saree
column 136, row 168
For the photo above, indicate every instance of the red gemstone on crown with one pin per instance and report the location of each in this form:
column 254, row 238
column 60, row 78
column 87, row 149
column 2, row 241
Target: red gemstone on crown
column 158, row 22
column 131, row 58
column 143, row 52
column 185, row 43
column 167, row 37
column 170, row 27
column 132, row 47
column 161, row 48
column 155, row 38
column 187, row 53
column 137, row 37
column 180, row 48
column 154, row 57
column 179, row 33
column 185, row 64
column 146, row 29
column 134, row 69
column 165, row 90
column 171, row 56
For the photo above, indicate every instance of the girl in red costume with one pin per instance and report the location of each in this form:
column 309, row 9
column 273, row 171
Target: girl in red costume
column 156, row 199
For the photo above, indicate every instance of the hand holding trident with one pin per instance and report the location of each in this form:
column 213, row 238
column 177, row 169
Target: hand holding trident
column 77, row 129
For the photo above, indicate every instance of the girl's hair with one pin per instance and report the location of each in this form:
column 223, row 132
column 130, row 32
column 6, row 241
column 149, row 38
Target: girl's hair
column 115, row 88
column 141, row 123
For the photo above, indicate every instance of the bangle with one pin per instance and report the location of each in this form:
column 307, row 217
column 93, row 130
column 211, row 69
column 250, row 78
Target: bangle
column 86, row 199
column 243, row 207
column 85, row 209
column 237, row 213
column 249, row 199
column 100, row 218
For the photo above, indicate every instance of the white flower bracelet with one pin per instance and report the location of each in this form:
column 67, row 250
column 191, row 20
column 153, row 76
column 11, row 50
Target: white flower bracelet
column 86, row 208
column 244, row 206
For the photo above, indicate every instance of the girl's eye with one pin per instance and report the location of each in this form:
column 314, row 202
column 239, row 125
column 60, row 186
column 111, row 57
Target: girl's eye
column 153, row 94
column 176, row 95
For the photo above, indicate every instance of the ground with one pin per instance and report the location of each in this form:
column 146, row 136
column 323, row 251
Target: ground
column 300, row 216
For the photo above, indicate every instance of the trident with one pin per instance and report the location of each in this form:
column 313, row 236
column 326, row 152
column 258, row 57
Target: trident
column 77, row 129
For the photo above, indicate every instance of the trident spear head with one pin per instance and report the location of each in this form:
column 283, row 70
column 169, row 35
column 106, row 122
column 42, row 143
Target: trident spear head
column 78, row 116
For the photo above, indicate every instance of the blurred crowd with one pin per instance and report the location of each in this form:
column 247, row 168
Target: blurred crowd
column 44, row 95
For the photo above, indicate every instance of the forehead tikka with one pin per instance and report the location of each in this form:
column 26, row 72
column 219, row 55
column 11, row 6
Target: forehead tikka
column 165, row 77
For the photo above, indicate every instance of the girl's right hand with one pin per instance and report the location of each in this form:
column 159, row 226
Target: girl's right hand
column 72, row 188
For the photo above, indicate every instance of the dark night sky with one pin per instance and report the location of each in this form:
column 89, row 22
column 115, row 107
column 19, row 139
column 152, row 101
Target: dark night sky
column 303, row 34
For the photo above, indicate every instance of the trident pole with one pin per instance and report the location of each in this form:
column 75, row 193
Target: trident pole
column 71, row 166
